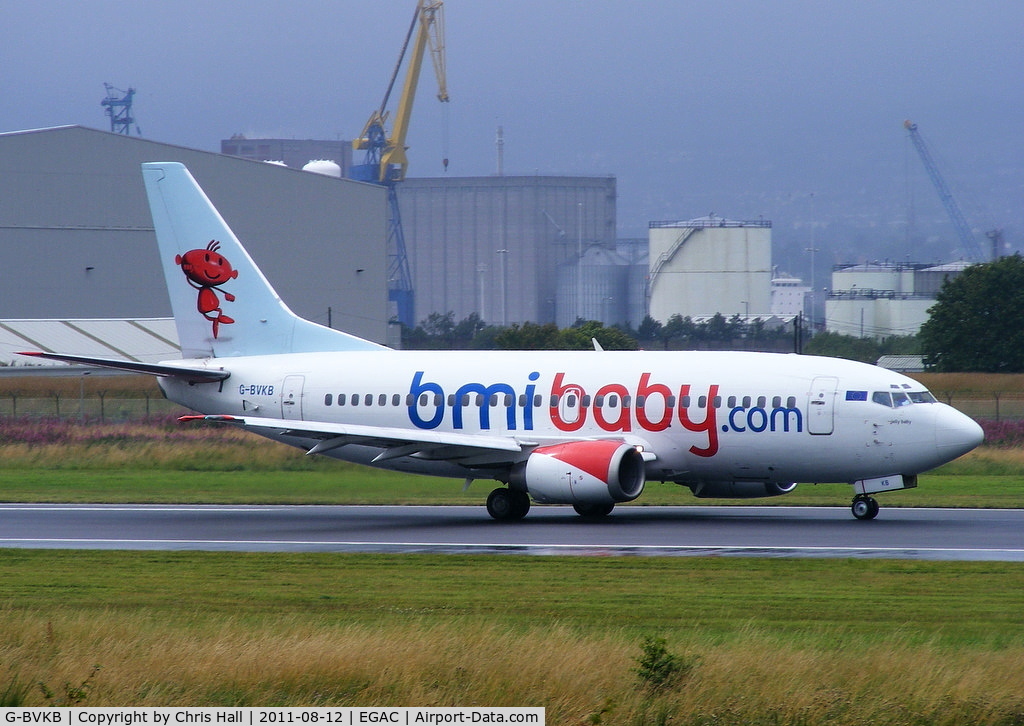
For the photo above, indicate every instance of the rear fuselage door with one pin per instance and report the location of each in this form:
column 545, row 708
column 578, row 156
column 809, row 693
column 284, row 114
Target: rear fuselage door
column 291, row 397
column 821, row 405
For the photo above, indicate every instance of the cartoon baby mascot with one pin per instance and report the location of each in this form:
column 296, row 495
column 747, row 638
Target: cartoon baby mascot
column 206, row 270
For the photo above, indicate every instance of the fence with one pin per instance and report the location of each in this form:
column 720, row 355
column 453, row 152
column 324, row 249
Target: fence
column 94, row 407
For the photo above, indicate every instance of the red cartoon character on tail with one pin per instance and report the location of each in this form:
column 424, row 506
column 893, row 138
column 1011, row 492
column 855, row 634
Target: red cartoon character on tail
column 206, row 270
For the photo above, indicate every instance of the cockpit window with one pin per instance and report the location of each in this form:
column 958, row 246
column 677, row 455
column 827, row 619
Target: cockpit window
column 900, row 399
column 882, row 397
column 921, row 397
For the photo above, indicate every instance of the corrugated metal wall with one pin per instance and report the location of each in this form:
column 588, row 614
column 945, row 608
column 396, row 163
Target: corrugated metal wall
column 493, row 245
column 76, row 237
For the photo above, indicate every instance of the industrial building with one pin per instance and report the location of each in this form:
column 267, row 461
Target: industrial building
column 495, row 245
column 886, row 299
column 295, row 153
column 77, row 241
column 710, row 265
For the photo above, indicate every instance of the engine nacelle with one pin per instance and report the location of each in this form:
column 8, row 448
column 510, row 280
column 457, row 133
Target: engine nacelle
column 738, row 489
column 582, row 472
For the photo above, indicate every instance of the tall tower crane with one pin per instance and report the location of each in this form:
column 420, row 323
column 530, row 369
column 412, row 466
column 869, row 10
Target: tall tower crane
column 120, row 110
column 967, row 240
column 386, row 161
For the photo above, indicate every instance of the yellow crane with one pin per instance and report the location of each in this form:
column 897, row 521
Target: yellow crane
column 386, row 160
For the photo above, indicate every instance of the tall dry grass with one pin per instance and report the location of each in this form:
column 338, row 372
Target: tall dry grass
column 578, row 677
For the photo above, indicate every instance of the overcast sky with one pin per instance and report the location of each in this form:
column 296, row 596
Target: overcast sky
column 790, row 110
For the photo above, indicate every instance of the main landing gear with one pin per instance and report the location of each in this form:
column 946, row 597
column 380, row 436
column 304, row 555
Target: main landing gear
column 508, row 505
column 864, row 507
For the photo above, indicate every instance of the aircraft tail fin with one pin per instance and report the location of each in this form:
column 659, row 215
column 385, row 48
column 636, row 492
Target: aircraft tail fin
column 223, row 305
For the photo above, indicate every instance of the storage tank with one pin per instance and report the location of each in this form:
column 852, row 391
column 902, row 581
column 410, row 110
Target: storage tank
column 710, row 265
column 323, row 166
column 594, row 288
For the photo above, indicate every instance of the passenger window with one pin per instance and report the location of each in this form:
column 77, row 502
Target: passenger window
column 451, row 399
column 554, row 401
column 791, row 402
column 585, row 401
column 716, row 402
column 536, row 400
column 761, row 401
column 684, row 402
column 382, row 399
column 509, row 400
column 424, row 399
column 777, row 402
column 396, row 400
column 626, row 400
column 438, row 399
column 599, row 401
column 670, row 402
column 570, row 400
column 355, row 399
column 746, row 402
column 882, row 397
column 328, row 399
column 341, row 399
column 613, row 401
column 410, row 399
column 732, row 402
column 702, row 402
column 368, row 399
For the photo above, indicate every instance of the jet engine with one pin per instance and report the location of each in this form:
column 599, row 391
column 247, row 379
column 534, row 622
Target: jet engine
column 583, row 473
column 738, row 489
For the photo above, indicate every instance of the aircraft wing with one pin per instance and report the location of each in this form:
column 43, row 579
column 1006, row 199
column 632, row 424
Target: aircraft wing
column 466, row 449
column 192, row 375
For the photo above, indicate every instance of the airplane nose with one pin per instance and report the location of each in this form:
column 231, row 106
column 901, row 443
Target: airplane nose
column 955, row 433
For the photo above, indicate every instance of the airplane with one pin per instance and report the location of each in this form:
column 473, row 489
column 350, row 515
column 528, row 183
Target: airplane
column 585, row 428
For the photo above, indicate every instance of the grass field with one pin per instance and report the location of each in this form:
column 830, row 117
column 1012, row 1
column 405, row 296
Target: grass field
column 763, row 641
column 754, row 641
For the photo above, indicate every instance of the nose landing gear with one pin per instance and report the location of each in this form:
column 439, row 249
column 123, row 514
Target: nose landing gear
column 864, row 507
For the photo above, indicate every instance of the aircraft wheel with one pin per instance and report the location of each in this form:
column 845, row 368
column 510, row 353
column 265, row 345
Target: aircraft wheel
column 594, row 510
column 506, row 505
column 521, row 503
column 864, row 507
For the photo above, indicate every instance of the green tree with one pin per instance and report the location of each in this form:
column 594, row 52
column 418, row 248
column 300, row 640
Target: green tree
column 836, row 345
column 977, row 322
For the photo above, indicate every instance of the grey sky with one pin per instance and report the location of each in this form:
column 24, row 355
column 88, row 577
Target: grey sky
column 790, row 110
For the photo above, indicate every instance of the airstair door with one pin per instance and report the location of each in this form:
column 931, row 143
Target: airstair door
column 821, row 405
column 291, row 397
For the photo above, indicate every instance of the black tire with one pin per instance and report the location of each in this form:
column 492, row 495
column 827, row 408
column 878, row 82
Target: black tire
column 594, row 511
column 864, row 507
column 506, row 505
column 521, row 503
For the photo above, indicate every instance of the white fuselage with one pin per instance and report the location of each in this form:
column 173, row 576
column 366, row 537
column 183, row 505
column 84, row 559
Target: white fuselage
column 697, row 415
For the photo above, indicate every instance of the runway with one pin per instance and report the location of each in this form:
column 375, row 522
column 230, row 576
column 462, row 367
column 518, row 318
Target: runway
column 933, row 534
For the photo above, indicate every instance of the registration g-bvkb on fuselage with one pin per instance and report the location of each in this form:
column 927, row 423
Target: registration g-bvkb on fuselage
column 580, row 428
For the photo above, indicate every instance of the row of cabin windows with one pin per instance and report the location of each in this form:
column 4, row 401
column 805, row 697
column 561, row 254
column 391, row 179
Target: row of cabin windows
column 570, row 400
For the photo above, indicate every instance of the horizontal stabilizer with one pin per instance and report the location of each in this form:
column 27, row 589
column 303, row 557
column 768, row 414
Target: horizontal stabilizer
column 192, row 375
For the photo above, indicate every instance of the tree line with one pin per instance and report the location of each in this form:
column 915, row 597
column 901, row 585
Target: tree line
column 975, row 325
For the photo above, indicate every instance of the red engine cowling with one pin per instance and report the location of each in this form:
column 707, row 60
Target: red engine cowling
column 582, row 472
